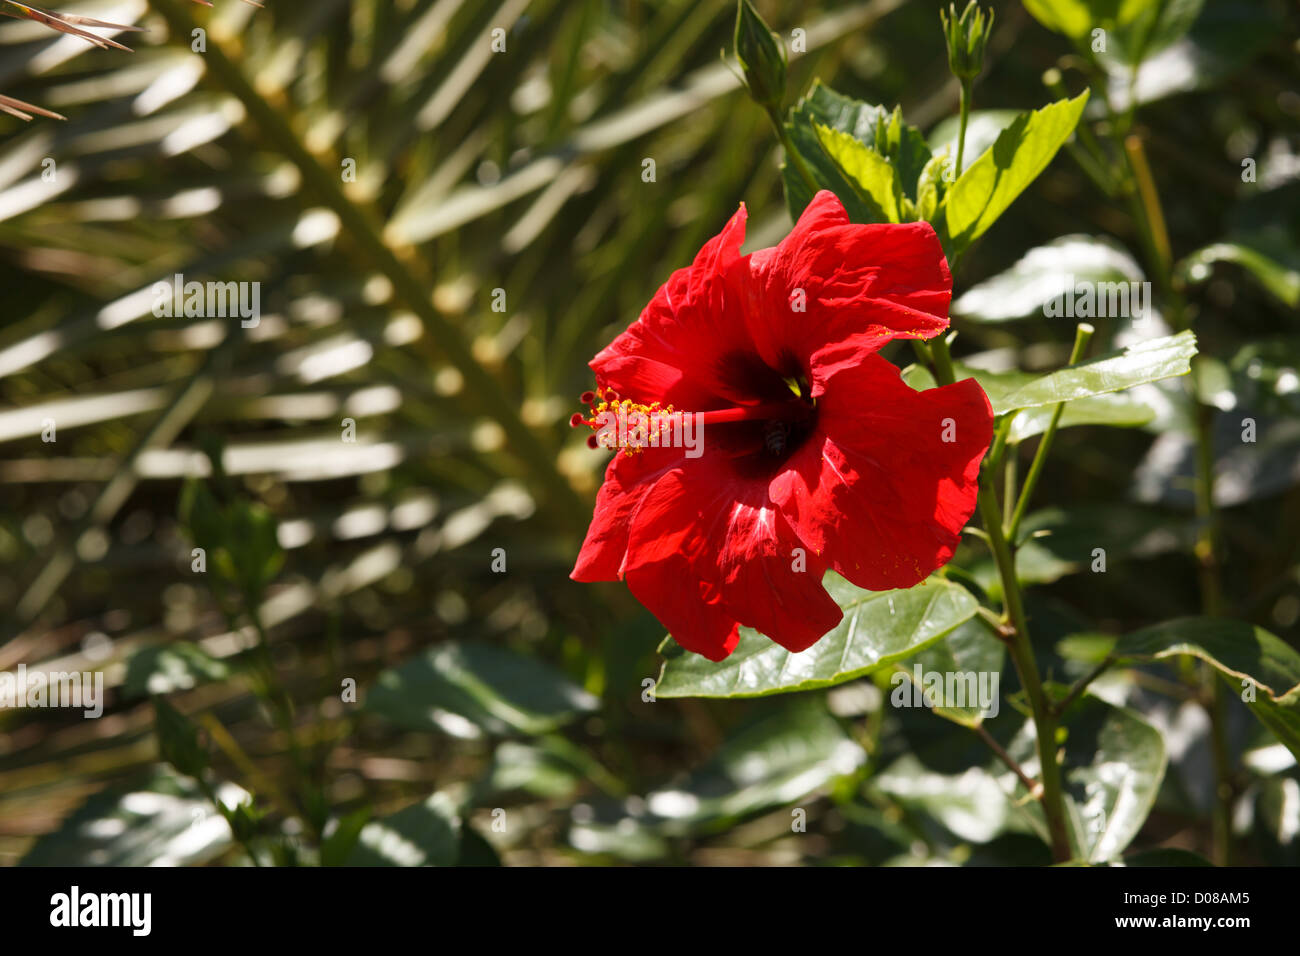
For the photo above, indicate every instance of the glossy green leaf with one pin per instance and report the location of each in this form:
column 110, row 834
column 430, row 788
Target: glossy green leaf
column 1114, row 409
column 179, row 740
column 341, row 840
column 968, row 649
column 1272, row 268
column 1114, row 764
column 775, row 761
column 475, row 850
column 1077, row 18
column 824, row 106
column 532, row 768
column 425, row 834
column 905, row 148
column 989, row 185
column 878, row 628
column 1148, row 361
column 1223, row 37
column 473, row 688
column 1041, row 277
column 1263, row 376
column 1058, row 542
column 1261, row 667
column 971, row 804
column 1272, row 810
column 162, row 669
column 932, row 184
column 163, row 821
column 1133, row 27
column 869, row 172
column 875, row 130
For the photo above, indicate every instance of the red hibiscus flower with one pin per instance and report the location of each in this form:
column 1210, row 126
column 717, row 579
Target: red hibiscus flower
column 814, row 453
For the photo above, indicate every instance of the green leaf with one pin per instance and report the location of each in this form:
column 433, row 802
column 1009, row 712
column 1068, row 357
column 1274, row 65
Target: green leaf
column 1165, row 856
column 868, row 171
column 1043, row 275
column 904, row 147
column 1263, row 376
column 534, row 769
column 1273, row 805
column 1222, row 39
column 163, row 821
column 1058, row 542
column 1277, row 272
column 1113, row 409
column 1148, row 361
column 1077, row 18
column 473, row 688
column 1134, row 29
column 775, row 761
column 253, row 556
column 475, row 850
column 878, row 629
column 425, row 834
column 1114, row 764
column 1158, row 26
column 875, row 129
column 931, row 185
column 971, row 804
column 1246, row 654
column 162, row 669
column 179, row 743
column 201, row 513
column 970, row 648
column 989, row 185
column 339, row 843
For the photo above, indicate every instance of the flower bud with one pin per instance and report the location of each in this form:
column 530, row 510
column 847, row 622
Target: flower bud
column 965, row 37
column 760, row 56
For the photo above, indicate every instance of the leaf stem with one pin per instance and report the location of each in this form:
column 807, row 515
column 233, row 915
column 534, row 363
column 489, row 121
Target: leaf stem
column 1082, row 335
column 1030, row 787
column 1081, row 685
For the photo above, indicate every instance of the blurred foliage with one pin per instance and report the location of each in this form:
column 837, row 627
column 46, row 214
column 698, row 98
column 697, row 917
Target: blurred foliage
column 443, row 235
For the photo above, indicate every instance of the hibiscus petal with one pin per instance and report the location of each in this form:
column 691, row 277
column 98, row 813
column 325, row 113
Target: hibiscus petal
column 834, row 292
column 667, row 591
column 713, row 541
column 885, row 486
column 690, row 347
column 769, row 587
column 627, row 480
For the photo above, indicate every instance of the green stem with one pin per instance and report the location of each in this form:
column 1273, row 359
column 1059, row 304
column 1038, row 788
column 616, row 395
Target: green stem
column 791, row 154
column 961, row 133
column 944, row 373
column 1022, row 656
column 1082, row 335
column 1021, row 650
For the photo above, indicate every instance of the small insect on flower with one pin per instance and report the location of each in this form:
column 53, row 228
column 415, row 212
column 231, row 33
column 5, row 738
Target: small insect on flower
column 813, row 441
column 775, row 436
